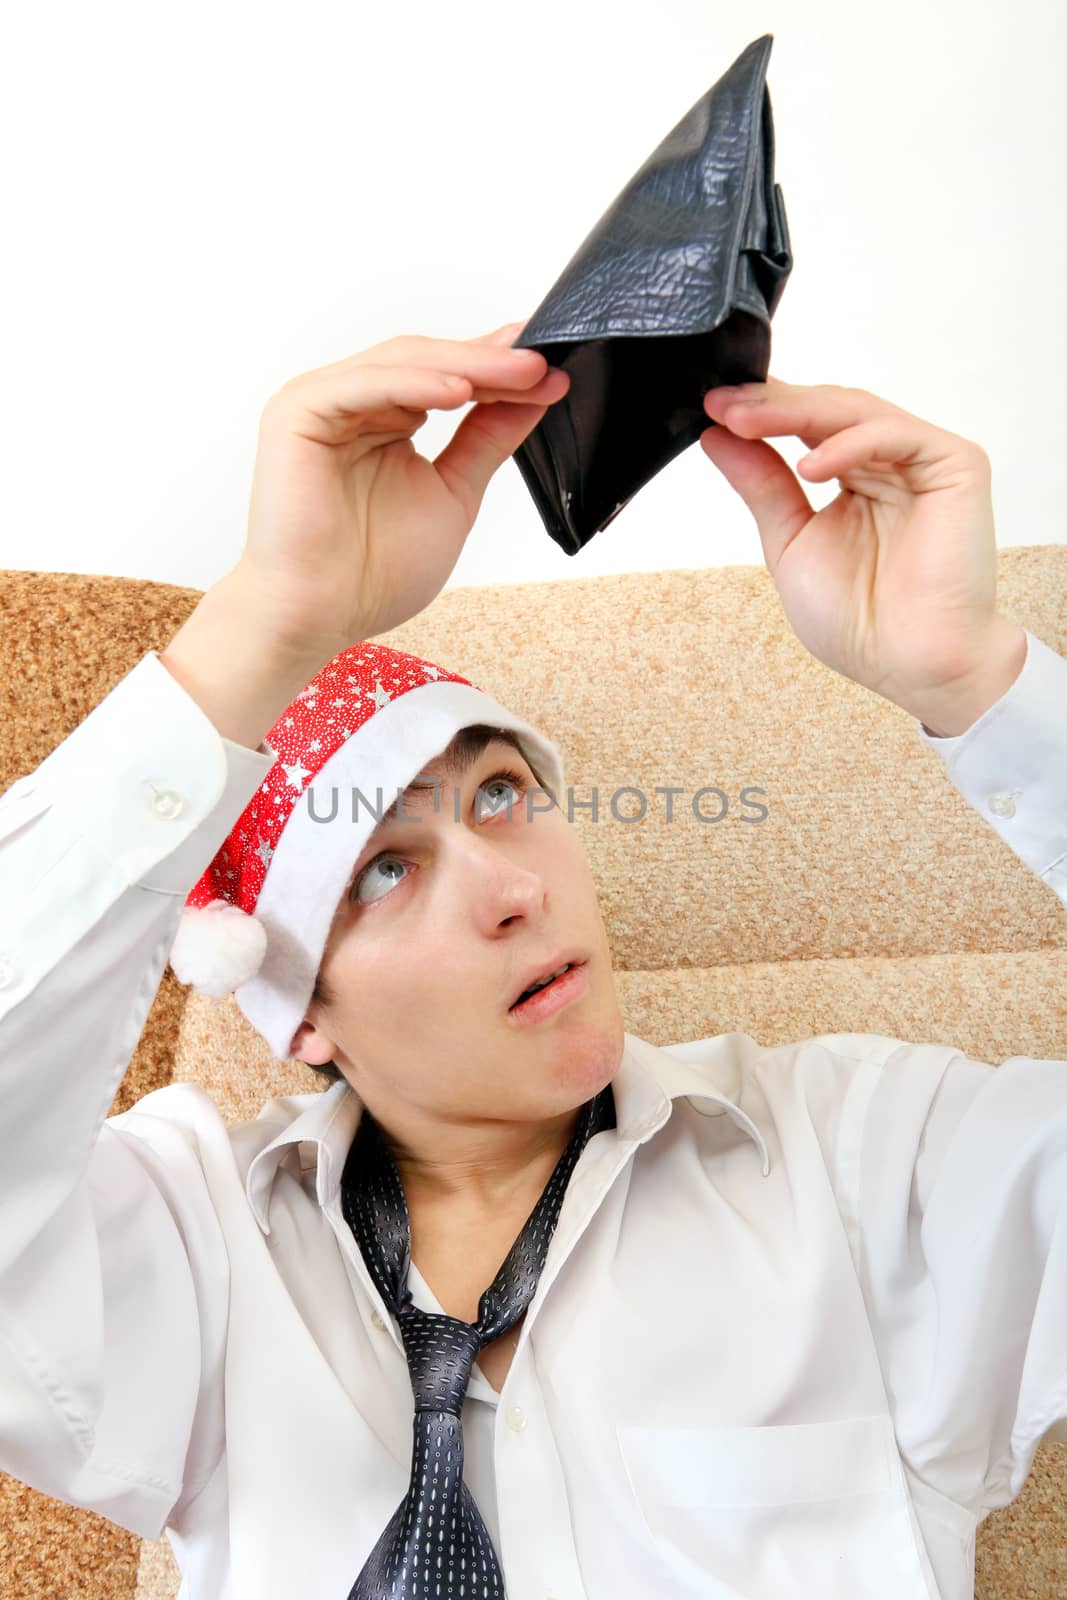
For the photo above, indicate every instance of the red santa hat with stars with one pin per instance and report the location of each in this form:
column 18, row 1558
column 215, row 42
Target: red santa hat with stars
column 256, row 923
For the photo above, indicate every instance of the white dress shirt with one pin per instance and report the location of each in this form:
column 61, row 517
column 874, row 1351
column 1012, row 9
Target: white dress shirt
column 802, row 1323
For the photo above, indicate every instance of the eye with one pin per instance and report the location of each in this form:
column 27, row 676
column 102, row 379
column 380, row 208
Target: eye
column 388, row 858
column 514, row 779
column 379, row 862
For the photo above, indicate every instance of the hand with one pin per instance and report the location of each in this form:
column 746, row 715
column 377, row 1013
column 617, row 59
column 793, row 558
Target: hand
column 893, row 584
column 350, row 530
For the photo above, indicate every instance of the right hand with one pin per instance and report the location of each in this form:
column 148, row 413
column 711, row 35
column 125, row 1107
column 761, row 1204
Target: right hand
column 350, row 530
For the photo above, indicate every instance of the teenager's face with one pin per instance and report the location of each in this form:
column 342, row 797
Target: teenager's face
column 432, row 941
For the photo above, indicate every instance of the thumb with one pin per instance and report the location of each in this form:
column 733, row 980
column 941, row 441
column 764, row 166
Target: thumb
column 766, row 484
column 487, row 436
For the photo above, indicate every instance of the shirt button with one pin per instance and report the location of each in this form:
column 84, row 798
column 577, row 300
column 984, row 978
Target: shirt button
column 516, row 1418
column 376, row 1318
column 1001, row 804
column 8, row 974
column 167, row 804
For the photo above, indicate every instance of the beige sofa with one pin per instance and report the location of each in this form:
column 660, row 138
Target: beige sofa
column 872, row 898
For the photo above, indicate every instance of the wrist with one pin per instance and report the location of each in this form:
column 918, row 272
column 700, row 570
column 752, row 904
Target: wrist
column 952, row 711
column 237, row 670
column 298, row 619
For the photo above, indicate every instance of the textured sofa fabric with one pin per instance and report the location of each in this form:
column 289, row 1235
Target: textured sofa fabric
column 870, row 897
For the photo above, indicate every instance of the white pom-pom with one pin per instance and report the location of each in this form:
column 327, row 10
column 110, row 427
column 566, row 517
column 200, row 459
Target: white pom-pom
column 217, row 948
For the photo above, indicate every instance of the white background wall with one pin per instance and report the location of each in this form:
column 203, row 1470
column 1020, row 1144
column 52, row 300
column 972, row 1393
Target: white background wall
column 203, row 200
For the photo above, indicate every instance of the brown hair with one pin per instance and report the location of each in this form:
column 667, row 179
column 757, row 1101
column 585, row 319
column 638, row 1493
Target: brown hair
column 462, row 751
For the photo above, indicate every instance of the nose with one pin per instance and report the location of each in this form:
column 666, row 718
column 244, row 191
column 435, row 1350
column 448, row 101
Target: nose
column 502, row 888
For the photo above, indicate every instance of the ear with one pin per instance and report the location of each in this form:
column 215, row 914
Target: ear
column 311, row 1045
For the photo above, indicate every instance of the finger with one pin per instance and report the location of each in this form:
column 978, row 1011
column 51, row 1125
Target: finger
column 338, row 395
column 484, row 440
column 553, row 386
column 505, row 335
column 527, row 388
column 484, row 367
column 774, row 409
column 767, row 486
column 489, row 357
column 925, row 457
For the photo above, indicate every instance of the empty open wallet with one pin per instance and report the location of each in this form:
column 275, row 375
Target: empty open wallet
column 670, row 295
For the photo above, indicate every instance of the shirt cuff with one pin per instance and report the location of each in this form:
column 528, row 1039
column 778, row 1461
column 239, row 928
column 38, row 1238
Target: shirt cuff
column 1011, row 765
column 148, row 778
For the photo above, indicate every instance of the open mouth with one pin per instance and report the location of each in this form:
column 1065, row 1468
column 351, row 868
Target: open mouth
column 535, row 988
column 540, row 995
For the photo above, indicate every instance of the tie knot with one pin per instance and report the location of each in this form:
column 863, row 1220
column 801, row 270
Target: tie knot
column 440, row 1351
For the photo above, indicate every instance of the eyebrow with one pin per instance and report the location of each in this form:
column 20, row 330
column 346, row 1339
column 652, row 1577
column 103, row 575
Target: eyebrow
column 456, row 764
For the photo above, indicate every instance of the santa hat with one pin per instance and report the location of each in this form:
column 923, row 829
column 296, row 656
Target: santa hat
column 256, row 923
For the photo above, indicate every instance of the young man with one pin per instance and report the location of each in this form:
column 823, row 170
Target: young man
column 731, row 1320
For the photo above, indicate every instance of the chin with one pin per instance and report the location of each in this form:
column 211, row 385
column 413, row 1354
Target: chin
column 588, row 1056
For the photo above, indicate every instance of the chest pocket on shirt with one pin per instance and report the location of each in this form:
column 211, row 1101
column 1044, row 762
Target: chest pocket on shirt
column 801, row 1509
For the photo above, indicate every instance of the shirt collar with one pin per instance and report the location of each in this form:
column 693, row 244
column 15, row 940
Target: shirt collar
column 708, row 1073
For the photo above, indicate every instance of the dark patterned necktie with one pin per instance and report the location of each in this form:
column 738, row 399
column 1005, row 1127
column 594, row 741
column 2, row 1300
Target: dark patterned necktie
column 436, row 1546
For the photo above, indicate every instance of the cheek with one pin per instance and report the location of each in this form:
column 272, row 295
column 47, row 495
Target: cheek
column 578, row 872
column 395, row 986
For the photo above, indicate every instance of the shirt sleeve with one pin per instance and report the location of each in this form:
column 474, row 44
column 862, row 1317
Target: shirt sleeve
column 113, row 1274
column 1011, row 765
column 957, row 1172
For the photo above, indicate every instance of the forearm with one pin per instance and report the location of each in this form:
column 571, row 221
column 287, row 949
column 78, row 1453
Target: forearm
column 93, row 876
column 93, row 1256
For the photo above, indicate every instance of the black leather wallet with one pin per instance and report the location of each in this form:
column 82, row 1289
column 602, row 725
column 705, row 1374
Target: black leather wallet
column 670, row 295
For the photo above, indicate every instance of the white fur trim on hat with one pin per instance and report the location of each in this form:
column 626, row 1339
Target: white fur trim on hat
column 217, row 948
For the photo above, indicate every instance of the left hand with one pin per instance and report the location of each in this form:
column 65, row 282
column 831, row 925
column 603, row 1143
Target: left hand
column 893, row 584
